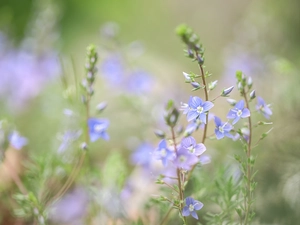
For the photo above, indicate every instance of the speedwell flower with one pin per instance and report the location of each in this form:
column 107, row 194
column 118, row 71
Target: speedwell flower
column 17, row 141
column 164, row 153
column 191, row 205
column 97, row 129
column 239, row 111
column 184, row 159
column 197, row 109
column 222, row 129
column 190, row 144
column 263, row 108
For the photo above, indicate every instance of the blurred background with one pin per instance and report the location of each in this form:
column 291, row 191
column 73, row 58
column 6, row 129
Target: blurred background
column 42, row 51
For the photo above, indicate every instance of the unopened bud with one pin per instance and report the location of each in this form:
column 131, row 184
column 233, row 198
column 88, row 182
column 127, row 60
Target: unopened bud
column 195, row 84
column 186, row 76
column 200, row 60
column 227, row 91
column 159, row 133
column 84, row 146
column 240, row 86
column 212, row 85
column 101, row 106
column 231, row 101
column 249, row 82
column 252, row 94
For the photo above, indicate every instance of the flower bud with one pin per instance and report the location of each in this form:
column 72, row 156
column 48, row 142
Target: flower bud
column 200, row 60
column 101, row 106
column 240, row 86
column 160, row 134
column 249, row 82
column 187, row 76
column 212, row 85
column 195, row 84
column 84, row 146
column 227, row 91
column 252, row 94
column 231, row 101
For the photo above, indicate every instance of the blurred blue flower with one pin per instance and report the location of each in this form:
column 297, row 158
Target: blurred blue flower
column 239, row 111
column 263, row 108
column 196, row 124
column 142, row 156
column 184, row 159
column 67, row 139
column 97, row 129
column 197, row 109
column 71, row 208
column 17, row 141
column 164, row 153
column 191, row 205
column 139, row 82
column 222, row 129
column 190, row 144
column 113, row 69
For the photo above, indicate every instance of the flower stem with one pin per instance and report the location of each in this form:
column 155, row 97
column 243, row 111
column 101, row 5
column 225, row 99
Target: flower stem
column 181, row 195
column 249, row 194
column 78, row 166
column 166, row 216
column 206, row 124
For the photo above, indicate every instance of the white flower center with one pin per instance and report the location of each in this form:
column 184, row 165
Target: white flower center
column 221, row 129
column 239, row 112
column 191, row 149
column 191, row 208
column 199, row 109
column 98, row 127
column 182, row 158
column 163, row 152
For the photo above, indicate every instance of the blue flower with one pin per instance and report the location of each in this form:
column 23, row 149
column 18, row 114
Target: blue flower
column 190, row 144
column 97, row 129
column 263, row 108
column 164, row 153
column 196, row 124
column 239, row 111
column 17, row 141
column 67, row 139
column 196, row 108
column 139, row 82
column 143, row 156
column 191, row 205
column 222, row 129
column 184, row 159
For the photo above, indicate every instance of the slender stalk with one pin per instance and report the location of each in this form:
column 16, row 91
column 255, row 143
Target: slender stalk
column 78, row 166
column 166, row 216
column 249, row 171
column 181, row 195
column 206, row 125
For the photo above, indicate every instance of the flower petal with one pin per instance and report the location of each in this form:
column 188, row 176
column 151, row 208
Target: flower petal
column 185, row 211
column 240, row 105
column 194, row 214
column 207, row 106
column 218, row 121
column 195, row 102
column 198, row 205
column 245, row 113
column 191, row 115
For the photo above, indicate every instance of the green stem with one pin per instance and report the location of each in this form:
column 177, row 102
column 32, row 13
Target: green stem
column 249, row 196
column 206, row 125
column 181, row 195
